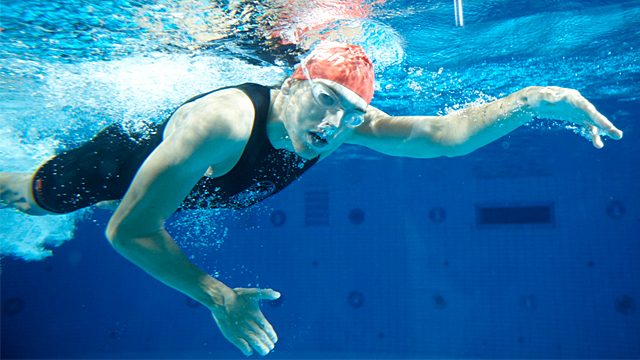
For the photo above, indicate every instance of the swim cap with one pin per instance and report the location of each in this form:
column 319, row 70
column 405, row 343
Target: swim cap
column 346, row 64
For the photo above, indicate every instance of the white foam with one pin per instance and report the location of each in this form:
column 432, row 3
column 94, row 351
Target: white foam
column 46, row 103
column 32, row 237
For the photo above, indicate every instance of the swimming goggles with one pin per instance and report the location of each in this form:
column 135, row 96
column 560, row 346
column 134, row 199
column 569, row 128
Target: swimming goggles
column 327, row 98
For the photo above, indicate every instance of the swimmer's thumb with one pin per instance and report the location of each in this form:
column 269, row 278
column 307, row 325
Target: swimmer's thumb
column 268, row 294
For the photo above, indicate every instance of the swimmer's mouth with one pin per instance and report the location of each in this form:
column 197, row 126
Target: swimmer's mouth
column 317, row 139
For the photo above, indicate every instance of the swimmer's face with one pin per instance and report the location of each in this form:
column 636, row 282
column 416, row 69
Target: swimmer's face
column 320, row 115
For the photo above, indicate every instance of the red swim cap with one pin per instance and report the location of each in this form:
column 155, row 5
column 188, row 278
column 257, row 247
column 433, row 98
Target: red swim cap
column 346, row 64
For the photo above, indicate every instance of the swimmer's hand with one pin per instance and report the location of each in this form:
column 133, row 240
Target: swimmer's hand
column 568, row 105
column 242, row 322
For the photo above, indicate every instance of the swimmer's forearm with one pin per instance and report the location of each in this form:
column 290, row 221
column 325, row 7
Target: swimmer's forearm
column 474, row 127
column 454, row 134
column 162, row 258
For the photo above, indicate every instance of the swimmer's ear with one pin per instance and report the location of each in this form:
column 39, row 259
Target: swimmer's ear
column 286, row 86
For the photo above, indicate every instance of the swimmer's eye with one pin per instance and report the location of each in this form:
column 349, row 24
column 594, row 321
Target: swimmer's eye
column 324, row 97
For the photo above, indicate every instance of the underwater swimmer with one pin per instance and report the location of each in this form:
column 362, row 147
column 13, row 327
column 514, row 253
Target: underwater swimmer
column 212, row 149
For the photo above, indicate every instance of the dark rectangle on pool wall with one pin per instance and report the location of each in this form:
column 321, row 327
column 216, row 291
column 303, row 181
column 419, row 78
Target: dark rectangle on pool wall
column 533, row 214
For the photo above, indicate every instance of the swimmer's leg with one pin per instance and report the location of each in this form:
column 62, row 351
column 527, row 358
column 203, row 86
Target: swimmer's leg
column 16, row 193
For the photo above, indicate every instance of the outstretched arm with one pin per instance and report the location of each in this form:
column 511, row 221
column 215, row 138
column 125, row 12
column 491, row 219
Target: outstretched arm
column 466, row 130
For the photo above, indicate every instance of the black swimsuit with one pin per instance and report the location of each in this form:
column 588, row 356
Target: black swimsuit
column 103, row 168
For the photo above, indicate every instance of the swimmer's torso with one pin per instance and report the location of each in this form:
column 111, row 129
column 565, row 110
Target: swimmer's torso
column 103, row 168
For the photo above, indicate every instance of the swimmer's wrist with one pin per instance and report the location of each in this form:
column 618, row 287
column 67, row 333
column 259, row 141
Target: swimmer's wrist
column 214, row 293
column 519, row 102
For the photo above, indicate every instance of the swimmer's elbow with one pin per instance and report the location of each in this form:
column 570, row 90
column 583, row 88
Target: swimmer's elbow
column 121, row 243
column 454, row 142
column 448, row 146
column 127, row 236
column 113, row 235
column 117, row 236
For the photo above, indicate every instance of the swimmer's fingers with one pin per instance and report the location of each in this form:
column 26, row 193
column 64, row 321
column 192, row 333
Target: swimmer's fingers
column 567, row 104
column 583, row 109
column 595, row 121
column 597, row 124
column 266, row 294
column 242, row 322
column 261, row 322
column 604, row 125
column 595, row 136
column 242, row 345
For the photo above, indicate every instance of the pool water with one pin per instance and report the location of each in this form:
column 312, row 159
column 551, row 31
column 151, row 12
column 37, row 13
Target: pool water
column 526, row 248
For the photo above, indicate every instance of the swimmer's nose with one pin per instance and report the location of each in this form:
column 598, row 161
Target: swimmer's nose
column 334, row 118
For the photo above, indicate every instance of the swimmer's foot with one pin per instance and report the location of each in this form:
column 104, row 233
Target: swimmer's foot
column 108, row 205
column 15, row 193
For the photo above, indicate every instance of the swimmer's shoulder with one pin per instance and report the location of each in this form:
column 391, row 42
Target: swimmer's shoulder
column 227, row 112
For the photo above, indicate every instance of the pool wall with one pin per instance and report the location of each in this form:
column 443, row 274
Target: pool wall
column 377, row 257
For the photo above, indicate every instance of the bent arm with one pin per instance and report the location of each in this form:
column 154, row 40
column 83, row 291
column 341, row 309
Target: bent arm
column 469, row 129
column 136, row 229
column 205, row 140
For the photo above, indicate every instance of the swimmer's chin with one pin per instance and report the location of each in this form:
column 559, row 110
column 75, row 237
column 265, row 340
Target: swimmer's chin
column 308, row 154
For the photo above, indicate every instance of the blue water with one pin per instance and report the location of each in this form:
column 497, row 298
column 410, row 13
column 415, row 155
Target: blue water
column 402, row 265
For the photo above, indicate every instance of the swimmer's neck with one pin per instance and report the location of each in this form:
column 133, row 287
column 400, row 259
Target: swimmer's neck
column 276, row 129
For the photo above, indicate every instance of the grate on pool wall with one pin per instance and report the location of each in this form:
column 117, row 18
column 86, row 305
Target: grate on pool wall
column 316, row 208
column 539, row 215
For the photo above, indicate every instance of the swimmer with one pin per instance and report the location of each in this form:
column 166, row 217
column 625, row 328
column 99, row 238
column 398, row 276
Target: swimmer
column 235, row 146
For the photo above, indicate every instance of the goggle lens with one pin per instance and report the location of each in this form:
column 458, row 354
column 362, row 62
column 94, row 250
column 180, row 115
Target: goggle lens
column 353, row 119
column 328, row 100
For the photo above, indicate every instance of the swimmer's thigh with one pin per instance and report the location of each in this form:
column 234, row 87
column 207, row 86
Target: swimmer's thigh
column 99, row 170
